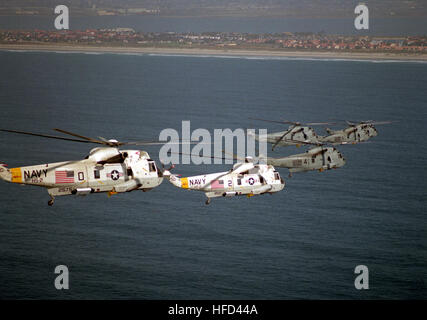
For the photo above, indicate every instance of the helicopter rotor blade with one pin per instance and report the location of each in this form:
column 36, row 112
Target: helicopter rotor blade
column 243, row 159
column 102, row 140
column 200, row 156
column 46, row 136
column 373, row 122
column 279, row 140
column 150, row 143
column 379, row 122
column 273, row 121
column 296, row 123
column 304, row 142
column 83, row 137
column 320, row 123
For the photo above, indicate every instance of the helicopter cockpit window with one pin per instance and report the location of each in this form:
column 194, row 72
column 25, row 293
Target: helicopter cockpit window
column 114, row 159
column 152, row 167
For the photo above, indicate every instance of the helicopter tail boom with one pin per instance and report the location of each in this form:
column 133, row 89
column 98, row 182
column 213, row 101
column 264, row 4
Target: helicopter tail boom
column 175, row 180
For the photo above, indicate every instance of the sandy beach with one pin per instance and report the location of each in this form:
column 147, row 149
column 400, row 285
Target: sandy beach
column 216, row 52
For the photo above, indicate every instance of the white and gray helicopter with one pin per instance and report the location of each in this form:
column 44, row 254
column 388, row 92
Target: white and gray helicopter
column 246, row 178
column 104, row 169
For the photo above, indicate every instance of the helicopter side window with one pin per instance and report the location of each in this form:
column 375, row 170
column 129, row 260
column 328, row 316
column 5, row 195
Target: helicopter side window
column 239, row 182
column 329, row 159
column 96, row 174
column 152, row 167
column 81, row 176
column 276, row 176
column 312, row 160
column 129, row 172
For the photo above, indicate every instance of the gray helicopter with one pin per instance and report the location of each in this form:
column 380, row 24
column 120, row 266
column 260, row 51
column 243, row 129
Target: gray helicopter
column 299, row 133
column 296, row 135
column 356, row 132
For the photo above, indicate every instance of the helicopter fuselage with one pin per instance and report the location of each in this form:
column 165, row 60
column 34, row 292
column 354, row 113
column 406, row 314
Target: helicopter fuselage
column 353, row 134
column 290, row 137
column 318, row 158
column 244, row 179
column 103, row 170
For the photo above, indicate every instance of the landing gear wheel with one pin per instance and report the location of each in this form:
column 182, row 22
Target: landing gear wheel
column 208, row 201
column 51, row 201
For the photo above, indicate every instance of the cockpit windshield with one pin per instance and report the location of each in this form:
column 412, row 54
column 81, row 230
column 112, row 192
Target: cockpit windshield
column 152, row 166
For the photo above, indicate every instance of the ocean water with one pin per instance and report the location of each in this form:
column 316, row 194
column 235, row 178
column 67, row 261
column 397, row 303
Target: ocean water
column 302, row 243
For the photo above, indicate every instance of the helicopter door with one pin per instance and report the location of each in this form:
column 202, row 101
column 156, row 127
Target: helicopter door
column 237, row 182
column 82, row 176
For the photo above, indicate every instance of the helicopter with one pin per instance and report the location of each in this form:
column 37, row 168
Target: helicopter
column 246, row 178
column 355, row 132
column 105, row 169
column 295, row 135
column 317, row 158
column 298, row 133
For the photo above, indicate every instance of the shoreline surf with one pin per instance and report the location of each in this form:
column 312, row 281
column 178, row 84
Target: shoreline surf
column 219, row 52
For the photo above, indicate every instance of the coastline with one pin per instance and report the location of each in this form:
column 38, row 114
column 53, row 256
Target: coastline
column 218, row 52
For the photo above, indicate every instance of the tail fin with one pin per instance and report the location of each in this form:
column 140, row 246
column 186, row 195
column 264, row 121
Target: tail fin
column 5, row 173
column 175, row 180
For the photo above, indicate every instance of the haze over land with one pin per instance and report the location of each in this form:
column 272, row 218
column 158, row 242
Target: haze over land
column 285, row 8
